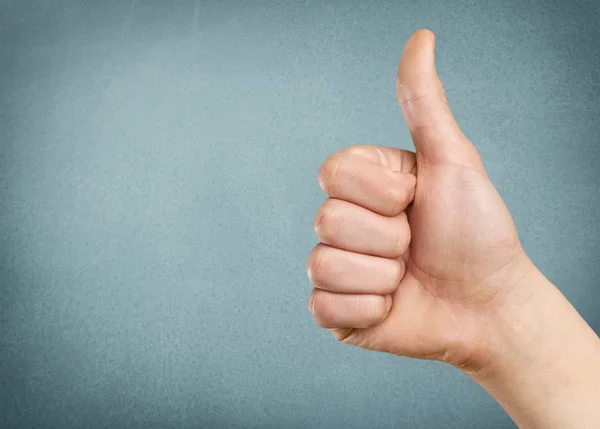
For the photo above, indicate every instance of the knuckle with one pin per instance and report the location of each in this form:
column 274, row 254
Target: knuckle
column 329, row 175
column 311, row 303
column 360, row 339
column 326, row 224
column 343, row 335
column 321, row 308
column 336, row 169
column 354, row 337
column 407, row 98
column 359, row 150
column 316, row 266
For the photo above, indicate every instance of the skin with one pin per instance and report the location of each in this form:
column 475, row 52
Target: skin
column 419, row 257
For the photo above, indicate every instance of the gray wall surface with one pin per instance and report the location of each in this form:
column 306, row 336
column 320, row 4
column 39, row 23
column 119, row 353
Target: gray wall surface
column 158, row 165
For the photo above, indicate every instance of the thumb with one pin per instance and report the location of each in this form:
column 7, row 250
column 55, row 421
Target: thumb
column 434, row 130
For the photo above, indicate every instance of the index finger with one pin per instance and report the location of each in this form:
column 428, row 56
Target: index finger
column 380, row 179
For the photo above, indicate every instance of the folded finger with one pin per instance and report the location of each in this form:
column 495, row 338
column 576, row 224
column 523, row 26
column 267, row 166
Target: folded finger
column 341, row 271
column 333, row 310
column 351, row 227
column 377, row 178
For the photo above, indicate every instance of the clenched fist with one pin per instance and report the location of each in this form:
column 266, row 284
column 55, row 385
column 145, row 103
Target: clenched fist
column 417, row 250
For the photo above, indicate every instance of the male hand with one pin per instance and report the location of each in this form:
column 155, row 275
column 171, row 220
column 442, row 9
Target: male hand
column 418, row 252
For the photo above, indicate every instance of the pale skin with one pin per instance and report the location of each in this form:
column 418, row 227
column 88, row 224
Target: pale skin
column 419, row 257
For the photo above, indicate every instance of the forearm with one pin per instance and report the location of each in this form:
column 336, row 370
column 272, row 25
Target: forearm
column 543, row 360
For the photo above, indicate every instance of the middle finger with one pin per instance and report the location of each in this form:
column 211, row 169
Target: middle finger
column 350, row 227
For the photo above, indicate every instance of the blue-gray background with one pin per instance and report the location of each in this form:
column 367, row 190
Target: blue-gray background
column 158, row 183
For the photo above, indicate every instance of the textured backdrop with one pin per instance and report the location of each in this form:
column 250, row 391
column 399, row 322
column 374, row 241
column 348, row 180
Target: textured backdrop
column 158, row 166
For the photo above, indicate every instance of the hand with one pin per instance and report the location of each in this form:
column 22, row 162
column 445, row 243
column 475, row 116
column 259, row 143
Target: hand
column 418, row 252
column 419, row 257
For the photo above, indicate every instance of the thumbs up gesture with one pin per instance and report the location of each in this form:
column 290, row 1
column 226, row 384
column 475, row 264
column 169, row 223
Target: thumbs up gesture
column 417, row 251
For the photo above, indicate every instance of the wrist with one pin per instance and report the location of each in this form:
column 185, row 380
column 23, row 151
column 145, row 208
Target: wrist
column 537, row 357
column 517, row 323
column 498, row 316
